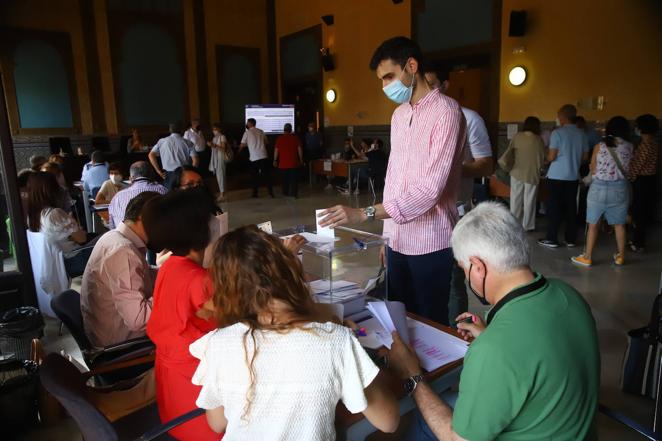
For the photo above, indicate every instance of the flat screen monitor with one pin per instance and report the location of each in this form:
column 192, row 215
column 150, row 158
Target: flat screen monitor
column 271, row 118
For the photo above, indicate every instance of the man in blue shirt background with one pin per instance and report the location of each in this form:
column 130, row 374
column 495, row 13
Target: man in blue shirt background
column 95, row 173
column 568, row 147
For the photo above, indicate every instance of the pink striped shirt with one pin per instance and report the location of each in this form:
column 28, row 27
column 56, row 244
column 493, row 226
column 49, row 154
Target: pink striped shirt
column 423, row 174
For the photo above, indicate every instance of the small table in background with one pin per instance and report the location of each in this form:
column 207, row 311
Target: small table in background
column 335, row 168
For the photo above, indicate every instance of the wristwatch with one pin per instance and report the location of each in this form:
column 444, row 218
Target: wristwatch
column 370, row 212
column 411, row 383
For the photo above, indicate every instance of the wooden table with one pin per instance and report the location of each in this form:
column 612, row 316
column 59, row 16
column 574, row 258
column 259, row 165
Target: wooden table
column 356, row 427
column 335, row 168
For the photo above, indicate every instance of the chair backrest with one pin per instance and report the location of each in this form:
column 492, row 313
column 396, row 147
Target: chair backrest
column 48, row 270
column 66, row 306
column 65, row 382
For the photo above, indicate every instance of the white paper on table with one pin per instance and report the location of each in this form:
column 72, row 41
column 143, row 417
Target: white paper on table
column 266, row 227
column 392, row 316
column 323, row 231
column 434, row 347
column 322, row 285
column 218, row 226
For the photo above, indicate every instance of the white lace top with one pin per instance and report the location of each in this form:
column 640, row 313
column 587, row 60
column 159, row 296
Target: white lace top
column 299, row 378
column 57, row 226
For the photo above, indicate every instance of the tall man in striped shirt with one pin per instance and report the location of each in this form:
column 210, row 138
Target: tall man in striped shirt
column 422, row 181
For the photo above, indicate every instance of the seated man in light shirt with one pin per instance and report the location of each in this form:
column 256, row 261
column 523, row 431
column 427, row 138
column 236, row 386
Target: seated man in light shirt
column 116, row 291
column 533, row 371
column 95, row 173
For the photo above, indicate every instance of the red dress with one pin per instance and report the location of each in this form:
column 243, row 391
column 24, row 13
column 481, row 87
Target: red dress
column 182, row 287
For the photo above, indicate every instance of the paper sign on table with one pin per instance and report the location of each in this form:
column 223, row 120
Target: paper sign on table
column 323, row 231
column 266, row 227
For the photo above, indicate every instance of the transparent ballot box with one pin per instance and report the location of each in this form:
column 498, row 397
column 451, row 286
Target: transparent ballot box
column 344, row 269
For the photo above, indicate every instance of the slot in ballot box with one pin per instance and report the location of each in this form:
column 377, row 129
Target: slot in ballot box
column 342, row 269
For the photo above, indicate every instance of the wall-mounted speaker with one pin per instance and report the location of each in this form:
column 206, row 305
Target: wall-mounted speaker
column 517, row 24
column 327, row 61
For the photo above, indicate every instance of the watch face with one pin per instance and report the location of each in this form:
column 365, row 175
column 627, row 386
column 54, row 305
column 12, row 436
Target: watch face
column 370, row 211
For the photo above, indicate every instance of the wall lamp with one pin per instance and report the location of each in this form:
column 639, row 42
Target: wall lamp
column 517, row 76
column 331, row 95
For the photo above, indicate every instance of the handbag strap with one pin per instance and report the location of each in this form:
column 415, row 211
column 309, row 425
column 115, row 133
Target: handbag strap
column 617, row 160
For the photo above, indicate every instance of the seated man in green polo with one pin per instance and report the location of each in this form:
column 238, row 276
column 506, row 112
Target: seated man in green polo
column 531, row 373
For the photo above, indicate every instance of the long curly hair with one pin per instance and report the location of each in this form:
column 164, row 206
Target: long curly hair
column 251, row 269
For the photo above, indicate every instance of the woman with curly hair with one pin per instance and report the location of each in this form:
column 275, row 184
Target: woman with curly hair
column 274, row 370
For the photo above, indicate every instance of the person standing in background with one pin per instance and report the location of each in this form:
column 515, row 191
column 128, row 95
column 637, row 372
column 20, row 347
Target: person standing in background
column 194, row 135
column 568, row 146
column 256, row 141
column 643, row 170
column 313, row 144
column 174, row 152
column 477, row 163
column 428, row 133
column 609, row 195
column 528, row 156
column 288, row 156
column 221, row 153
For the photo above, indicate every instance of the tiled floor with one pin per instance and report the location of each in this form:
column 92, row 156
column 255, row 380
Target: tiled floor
column 620, row 297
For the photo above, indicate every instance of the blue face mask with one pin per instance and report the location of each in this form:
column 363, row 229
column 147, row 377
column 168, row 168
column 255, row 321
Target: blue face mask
column 398, row 92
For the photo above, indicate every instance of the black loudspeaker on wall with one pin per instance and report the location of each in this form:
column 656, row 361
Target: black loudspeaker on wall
column 327, row 62
column 517, row 25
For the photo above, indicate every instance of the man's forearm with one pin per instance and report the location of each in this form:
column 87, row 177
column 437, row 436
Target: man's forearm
column 437, row 414
column 154, row 162
column 479, row 168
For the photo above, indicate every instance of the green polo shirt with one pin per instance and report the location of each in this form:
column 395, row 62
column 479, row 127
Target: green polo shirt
column 534, row 373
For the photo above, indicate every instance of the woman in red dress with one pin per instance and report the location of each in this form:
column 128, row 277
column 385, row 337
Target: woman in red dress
column 179, row 222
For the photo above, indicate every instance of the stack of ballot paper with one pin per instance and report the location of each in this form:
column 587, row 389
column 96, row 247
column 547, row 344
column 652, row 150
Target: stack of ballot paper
column 434, row 347
column 349, row 294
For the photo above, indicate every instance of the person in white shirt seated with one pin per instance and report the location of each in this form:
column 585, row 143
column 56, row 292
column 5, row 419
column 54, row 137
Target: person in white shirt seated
column 275, row 370
column 95, row 173
column 116, row 292
column 45, row 215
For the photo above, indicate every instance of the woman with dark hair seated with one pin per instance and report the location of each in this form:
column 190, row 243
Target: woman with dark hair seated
column 179, row 222
column 45, row 214
column 275, row 370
